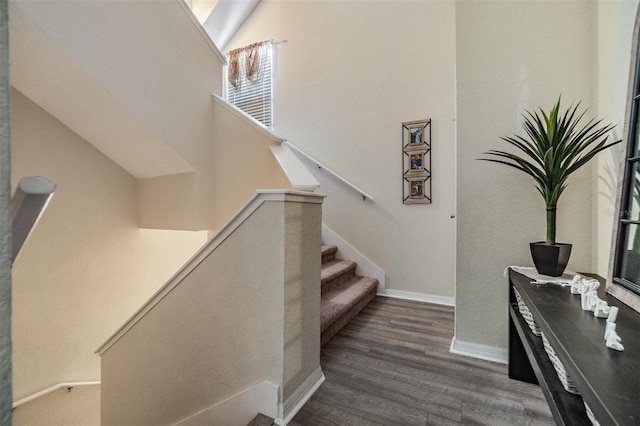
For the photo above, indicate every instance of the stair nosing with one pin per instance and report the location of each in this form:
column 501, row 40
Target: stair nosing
column 348, row 266
column 347, row 306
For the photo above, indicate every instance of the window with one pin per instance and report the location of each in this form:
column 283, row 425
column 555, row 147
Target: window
column 249, row 80
column 626, row 269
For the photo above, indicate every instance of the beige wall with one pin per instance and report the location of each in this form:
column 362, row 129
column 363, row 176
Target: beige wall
column 145, row 102
column 346, row 76
column 87, row 267
column 79, row 406
column 615, row 21
column 242, row 163
column 158, row 82
column 340, row 56
column 510, row 56
column 206, row 340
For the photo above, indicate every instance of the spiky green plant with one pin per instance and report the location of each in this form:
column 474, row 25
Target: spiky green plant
column 557, row 144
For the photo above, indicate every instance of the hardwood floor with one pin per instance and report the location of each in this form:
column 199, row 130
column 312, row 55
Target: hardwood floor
column 391, row 365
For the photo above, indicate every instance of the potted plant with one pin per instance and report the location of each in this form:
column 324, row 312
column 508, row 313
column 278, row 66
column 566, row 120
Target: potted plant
column 556, row 145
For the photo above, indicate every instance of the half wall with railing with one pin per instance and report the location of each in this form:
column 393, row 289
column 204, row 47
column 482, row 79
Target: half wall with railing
column 244, row 310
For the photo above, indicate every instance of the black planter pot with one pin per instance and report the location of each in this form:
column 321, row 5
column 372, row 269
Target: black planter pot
column 550, row 260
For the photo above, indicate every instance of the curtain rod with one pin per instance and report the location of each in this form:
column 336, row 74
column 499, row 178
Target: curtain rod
column 247, row 47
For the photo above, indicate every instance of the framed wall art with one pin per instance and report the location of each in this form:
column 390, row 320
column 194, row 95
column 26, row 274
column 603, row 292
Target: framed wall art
column 416, row 162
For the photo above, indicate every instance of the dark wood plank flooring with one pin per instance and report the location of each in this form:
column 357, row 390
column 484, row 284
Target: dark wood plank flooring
column 391, row 365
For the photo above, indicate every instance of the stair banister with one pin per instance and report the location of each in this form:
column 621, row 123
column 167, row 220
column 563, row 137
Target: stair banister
column 27, row 205
column 321, row 166
column 52, row 389
column 247, row 118
column 298, row 174
column 308, row 182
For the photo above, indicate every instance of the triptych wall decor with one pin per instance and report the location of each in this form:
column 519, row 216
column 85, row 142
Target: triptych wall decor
column 416, row 162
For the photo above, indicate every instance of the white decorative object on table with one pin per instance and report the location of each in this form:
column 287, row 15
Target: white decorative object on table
column 588, row 291
column 608, row 329
column 602, row 309
column 577, row 284
column 612, row 340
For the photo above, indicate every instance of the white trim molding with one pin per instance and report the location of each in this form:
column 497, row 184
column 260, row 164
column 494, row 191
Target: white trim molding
column 205, row 35
column 239, row 408
column 291, row 406
column 248, row 119
column 321, row 166
column 419, row 297
column 53, row 389
column 299, row 176
column 260, row 197
column 476, row 350
column 347, row 251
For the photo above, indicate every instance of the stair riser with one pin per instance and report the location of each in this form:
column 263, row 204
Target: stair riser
column 337, row 325
column 344, row 294
column 328, row 257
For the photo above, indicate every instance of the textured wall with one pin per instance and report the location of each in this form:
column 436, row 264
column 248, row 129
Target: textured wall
column 5, row 224
column 347, row 76
column 207, row 341
column 86, row 267
column 301, row 349
column 242, row 163
column 510, row 56
column 140, row 65
column 79, row 406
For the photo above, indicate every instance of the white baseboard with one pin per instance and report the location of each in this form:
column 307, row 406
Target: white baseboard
column 346, row 251
column 476, row 350
column 295, row 402
column 419, row 297
column 239, row 409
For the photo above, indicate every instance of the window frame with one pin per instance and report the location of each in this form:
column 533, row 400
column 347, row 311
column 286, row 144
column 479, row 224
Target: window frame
column 632, row 160
column 263, row 113
column 624, row 289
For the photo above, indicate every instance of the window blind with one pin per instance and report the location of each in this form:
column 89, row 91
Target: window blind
column 254, row 97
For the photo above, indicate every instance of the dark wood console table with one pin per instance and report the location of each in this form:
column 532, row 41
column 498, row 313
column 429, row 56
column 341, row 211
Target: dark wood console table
column 608, row 380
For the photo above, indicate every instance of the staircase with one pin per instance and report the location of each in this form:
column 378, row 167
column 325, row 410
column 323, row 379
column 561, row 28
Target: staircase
column 344, row 293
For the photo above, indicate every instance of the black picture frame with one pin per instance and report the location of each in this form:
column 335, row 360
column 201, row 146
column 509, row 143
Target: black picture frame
column 416, row 162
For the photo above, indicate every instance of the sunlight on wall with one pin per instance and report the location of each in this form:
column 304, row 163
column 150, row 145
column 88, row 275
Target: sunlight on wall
column 201, row 8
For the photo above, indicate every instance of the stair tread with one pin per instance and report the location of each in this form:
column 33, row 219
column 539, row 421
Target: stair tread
column 335, row 268
column 337, row 301
column 328, row 248
column 328, row 253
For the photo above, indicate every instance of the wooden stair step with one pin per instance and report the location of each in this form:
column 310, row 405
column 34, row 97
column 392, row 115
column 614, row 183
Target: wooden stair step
column 340, row 304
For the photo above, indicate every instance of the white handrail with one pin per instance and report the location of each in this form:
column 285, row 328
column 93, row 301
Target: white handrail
column 321, row 166
column 27, row 205
column 248, row 119
column 52, row 389
column 297, row 173
column 261, row 196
